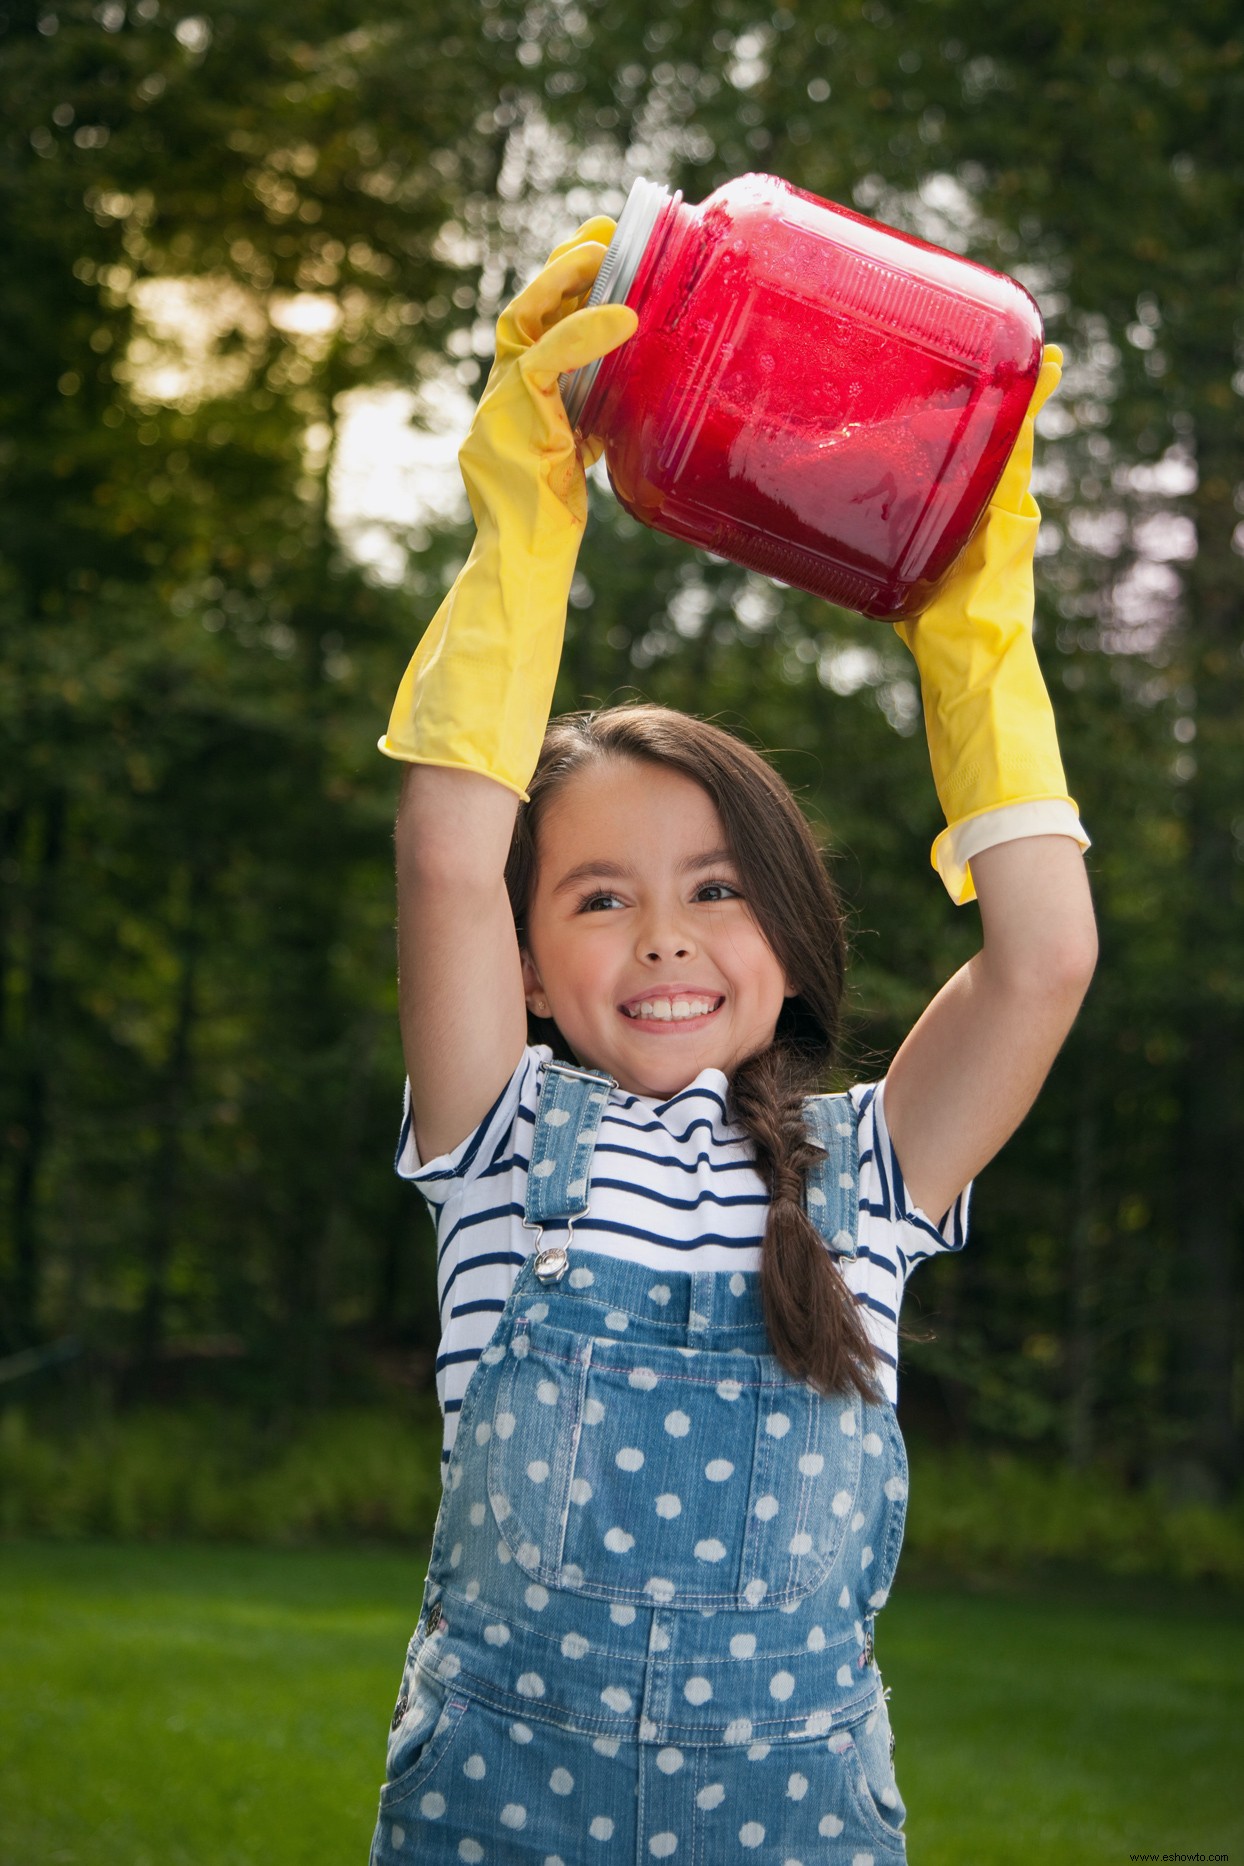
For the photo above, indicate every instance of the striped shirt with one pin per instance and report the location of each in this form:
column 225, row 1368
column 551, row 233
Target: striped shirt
column 674, row 1186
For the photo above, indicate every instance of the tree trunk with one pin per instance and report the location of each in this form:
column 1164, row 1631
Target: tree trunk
column 172, row 1095
column 1082, row 1343
column 31, row 1124
column 11, row 822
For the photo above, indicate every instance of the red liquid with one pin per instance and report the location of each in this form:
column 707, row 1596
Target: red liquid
column 814, row 396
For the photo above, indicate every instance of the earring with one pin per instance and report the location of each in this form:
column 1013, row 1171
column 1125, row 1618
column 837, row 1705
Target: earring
column 542, row 1007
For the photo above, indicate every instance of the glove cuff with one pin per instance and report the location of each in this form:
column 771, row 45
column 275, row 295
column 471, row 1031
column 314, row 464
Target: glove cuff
column 953, row 850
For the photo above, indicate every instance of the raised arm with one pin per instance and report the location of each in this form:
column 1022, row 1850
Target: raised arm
column 471, row 710
column 972, row 1067
column 460, row 989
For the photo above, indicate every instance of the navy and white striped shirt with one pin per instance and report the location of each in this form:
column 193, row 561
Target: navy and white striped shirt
column 674, row 1186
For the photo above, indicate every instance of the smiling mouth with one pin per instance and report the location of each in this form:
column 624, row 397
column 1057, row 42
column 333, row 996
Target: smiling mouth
column 678, row 1008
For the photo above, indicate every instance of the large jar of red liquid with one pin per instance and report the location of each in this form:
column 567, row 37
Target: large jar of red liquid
column 808, row 393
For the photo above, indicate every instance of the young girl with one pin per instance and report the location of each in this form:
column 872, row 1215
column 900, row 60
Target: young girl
column 669, row 1271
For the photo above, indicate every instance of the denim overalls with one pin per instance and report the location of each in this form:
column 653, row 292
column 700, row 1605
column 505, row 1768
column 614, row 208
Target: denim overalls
column 647, row 1626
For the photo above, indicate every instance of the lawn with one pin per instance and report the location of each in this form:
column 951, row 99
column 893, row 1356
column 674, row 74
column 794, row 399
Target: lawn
column 185, row 1706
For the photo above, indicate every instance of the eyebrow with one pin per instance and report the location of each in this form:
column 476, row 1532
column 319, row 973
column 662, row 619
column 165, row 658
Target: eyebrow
column 623, row 871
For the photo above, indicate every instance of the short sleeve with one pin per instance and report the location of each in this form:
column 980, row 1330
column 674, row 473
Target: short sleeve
column 883, row 1193
column 489, row 1149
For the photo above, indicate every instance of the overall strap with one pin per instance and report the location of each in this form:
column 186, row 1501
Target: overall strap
column 832, row 1193
column 568, row 1118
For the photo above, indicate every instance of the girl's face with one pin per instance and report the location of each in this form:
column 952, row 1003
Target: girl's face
column 640, row 944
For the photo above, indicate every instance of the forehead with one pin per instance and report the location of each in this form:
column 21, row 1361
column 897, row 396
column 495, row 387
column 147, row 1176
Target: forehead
column 623, row 808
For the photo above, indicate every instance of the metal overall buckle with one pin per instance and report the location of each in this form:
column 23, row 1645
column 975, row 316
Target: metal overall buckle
column 552, row 1264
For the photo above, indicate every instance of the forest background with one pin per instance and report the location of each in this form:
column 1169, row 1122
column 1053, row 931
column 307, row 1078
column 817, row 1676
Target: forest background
column 238, row 242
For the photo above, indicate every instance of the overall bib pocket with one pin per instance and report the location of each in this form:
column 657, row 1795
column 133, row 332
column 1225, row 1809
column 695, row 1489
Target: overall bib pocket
column 669, row 1476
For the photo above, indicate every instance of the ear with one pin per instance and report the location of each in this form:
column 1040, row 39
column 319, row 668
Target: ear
column 533, row 989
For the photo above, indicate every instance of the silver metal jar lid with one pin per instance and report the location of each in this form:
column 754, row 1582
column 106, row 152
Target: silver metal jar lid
column 645, row 204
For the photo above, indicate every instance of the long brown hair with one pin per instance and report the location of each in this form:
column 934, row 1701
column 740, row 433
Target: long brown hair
column 813, row 1322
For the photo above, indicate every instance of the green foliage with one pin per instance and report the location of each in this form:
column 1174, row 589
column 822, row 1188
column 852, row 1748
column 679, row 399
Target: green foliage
column 993, row 1513
column 216, row 1475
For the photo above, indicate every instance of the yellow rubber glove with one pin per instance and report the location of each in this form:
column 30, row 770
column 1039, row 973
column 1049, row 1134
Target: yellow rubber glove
column 478, row 690
column 990, row 726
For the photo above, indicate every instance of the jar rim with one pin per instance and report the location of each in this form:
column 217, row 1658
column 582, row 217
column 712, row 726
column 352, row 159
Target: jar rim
column 644, row 206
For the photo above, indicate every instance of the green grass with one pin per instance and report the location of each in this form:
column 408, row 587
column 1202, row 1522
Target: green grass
column 1070, row 1726
column 223, row 1707
column 190, row 1706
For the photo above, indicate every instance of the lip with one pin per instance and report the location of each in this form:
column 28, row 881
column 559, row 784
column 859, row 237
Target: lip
column 672, row 1026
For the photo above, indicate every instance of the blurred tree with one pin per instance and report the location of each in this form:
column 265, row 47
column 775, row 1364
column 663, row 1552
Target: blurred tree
column 215, row 226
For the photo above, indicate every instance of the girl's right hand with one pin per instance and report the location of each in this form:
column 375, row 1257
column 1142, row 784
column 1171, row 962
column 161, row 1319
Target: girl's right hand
column 520, row 446
column 477, row 692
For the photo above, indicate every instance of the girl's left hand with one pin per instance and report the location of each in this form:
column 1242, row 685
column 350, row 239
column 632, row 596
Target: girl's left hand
column 992, row 740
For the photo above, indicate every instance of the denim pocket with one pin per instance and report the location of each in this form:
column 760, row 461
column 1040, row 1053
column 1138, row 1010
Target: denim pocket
column 422, row 1740
column 873, row 1789
column 674, row 1476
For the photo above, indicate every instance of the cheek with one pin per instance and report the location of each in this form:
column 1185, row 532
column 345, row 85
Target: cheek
column 753, row 959
column 589, row 965
column 770, row 982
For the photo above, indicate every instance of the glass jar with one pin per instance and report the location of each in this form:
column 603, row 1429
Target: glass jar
column 808, row 393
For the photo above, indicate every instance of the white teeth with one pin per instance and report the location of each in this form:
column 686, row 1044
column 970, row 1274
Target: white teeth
column 673, row 1010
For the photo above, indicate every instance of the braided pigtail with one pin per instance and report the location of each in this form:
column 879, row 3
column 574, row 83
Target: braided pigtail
column 815, row 1326
column 812, row 1319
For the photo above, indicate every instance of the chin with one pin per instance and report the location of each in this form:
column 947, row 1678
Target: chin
column 668, row 1078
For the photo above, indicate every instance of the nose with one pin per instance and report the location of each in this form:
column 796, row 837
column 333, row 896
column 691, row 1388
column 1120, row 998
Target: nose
column 662, row 939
